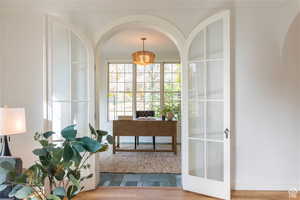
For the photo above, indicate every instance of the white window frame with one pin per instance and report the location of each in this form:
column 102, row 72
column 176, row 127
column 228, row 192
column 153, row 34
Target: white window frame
column 134, row 82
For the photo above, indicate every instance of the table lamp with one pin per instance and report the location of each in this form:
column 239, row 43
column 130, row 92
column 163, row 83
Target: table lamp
column 12, row 121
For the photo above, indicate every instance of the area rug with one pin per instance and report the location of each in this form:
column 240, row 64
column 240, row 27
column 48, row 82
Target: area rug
column 141, row 162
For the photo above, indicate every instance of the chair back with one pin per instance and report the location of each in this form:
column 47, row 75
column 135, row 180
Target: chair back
column 146, row 113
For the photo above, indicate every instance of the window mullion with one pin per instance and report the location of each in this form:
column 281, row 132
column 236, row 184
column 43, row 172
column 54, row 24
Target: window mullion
column 134, row 79
column 162, row 85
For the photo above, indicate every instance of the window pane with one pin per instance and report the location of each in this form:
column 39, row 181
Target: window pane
column 128, row 77
column 172, row 88
column 120, row 67
column 128, row 68
column 113, row 68
column 140, row 96
column 120, row 87
column 140, row 87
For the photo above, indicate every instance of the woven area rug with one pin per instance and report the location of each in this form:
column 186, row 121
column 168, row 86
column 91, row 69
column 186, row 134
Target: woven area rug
column 141, row 162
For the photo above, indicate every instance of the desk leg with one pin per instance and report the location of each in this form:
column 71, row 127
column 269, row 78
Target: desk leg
column 135, row 142
column 114, row 144
column 118, row 141
column 174, row 144
column 153, row 143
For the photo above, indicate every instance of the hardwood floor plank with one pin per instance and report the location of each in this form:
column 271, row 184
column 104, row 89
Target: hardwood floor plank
column 158, row 193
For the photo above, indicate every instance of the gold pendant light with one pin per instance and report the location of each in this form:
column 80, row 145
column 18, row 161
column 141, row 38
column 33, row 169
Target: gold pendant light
column 143, row 57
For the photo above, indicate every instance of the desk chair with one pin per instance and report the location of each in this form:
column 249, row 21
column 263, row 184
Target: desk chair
column 146, row 113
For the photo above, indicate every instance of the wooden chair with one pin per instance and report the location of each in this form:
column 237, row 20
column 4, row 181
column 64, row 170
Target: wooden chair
column 146, row 113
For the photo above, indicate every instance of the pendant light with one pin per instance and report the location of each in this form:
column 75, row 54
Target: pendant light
column 143, row 57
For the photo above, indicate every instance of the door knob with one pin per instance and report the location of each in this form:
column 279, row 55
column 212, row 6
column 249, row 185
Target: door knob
column 226, row 132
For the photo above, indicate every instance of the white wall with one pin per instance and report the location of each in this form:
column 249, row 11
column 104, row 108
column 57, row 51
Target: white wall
column 264, row 105
column 266, row 135
column 21, row 42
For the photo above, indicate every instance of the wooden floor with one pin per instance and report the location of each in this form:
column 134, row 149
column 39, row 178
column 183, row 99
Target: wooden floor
column 131, row 193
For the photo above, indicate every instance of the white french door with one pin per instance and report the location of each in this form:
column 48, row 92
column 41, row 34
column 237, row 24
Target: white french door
column 206, row 142
column 70, row 83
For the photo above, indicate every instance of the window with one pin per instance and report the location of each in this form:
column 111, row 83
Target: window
column 137, row 88
column 120, row 90
column 172, row 80
column 148, row 88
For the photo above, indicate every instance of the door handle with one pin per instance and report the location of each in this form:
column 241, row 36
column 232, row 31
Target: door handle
column 227, row 132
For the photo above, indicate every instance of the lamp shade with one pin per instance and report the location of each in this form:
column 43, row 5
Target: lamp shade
column 12, row 121
column 143, row 58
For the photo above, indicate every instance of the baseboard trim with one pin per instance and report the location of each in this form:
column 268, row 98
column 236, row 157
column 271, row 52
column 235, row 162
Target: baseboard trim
column 283, row 187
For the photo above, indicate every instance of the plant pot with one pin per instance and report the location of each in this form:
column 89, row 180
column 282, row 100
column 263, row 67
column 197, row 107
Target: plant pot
column 163, row 118
column 170, row 116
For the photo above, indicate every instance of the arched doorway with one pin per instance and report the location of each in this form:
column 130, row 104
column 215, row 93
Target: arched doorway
column 154, row 26
column 201, row 173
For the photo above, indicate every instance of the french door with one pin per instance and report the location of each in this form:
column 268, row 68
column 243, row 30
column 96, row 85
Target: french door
column 206, row 142
column 69, row 91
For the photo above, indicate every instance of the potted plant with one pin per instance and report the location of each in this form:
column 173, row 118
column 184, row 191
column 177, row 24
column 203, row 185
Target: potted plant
column 167, row 113
column 164, row 112
column 59, row 166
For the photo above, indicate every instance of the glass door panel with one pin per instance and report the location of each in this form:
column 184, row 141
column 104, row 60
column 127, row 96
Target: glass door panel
column 196, row 159
column 61, row 70
column 214, row 40
column 207, row 171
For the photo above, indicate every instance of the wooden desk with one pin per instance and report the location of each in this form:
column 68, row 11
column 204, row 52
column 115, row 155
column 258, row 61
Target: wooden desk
column 145, row 128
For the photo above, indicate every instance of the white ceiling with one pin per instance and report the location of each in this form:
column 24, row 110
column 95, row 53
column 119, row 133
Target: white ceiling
column 129, row 4
column 125, row 42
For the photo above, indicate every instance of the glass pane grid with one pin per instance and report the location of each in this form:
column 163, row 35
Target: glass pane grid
column 206, row 89
column 120, row 90
column 172, row 87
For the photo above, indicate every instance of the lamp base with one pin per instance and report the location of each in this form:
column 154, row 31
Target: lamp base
column 5, row 151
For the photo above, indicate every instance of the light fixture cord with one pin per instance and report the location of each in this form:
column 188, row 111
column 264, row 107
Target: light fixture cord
column 143, row 45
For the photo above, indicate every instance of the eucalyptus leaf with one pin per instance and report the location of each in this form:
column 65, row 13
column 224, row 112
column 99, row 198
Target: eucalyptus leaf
column 89, row 144
column 74, row 181
column 103, row 148
column 110, row 139
column 78, row 146
column 92, row 129
column 77, row 158
column 48, row 134
column 53, row 197
column 44, row 142
column 21, row 179
column 68, row 153
column 3, row 175
column 72, row 191
column 40, row 152
column 57, row 155
column 3, row 187
column 103, row 133
column 14, row 190
column 69, row 132
column 24, row 192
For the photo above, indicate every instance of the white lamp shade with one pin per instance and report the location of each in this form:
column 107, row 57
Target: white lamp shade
column 12, row 121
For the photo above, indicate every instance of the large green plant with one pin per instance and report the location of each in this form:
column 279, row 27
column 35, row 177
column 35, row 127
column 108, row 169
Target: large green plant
column 60, row 166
